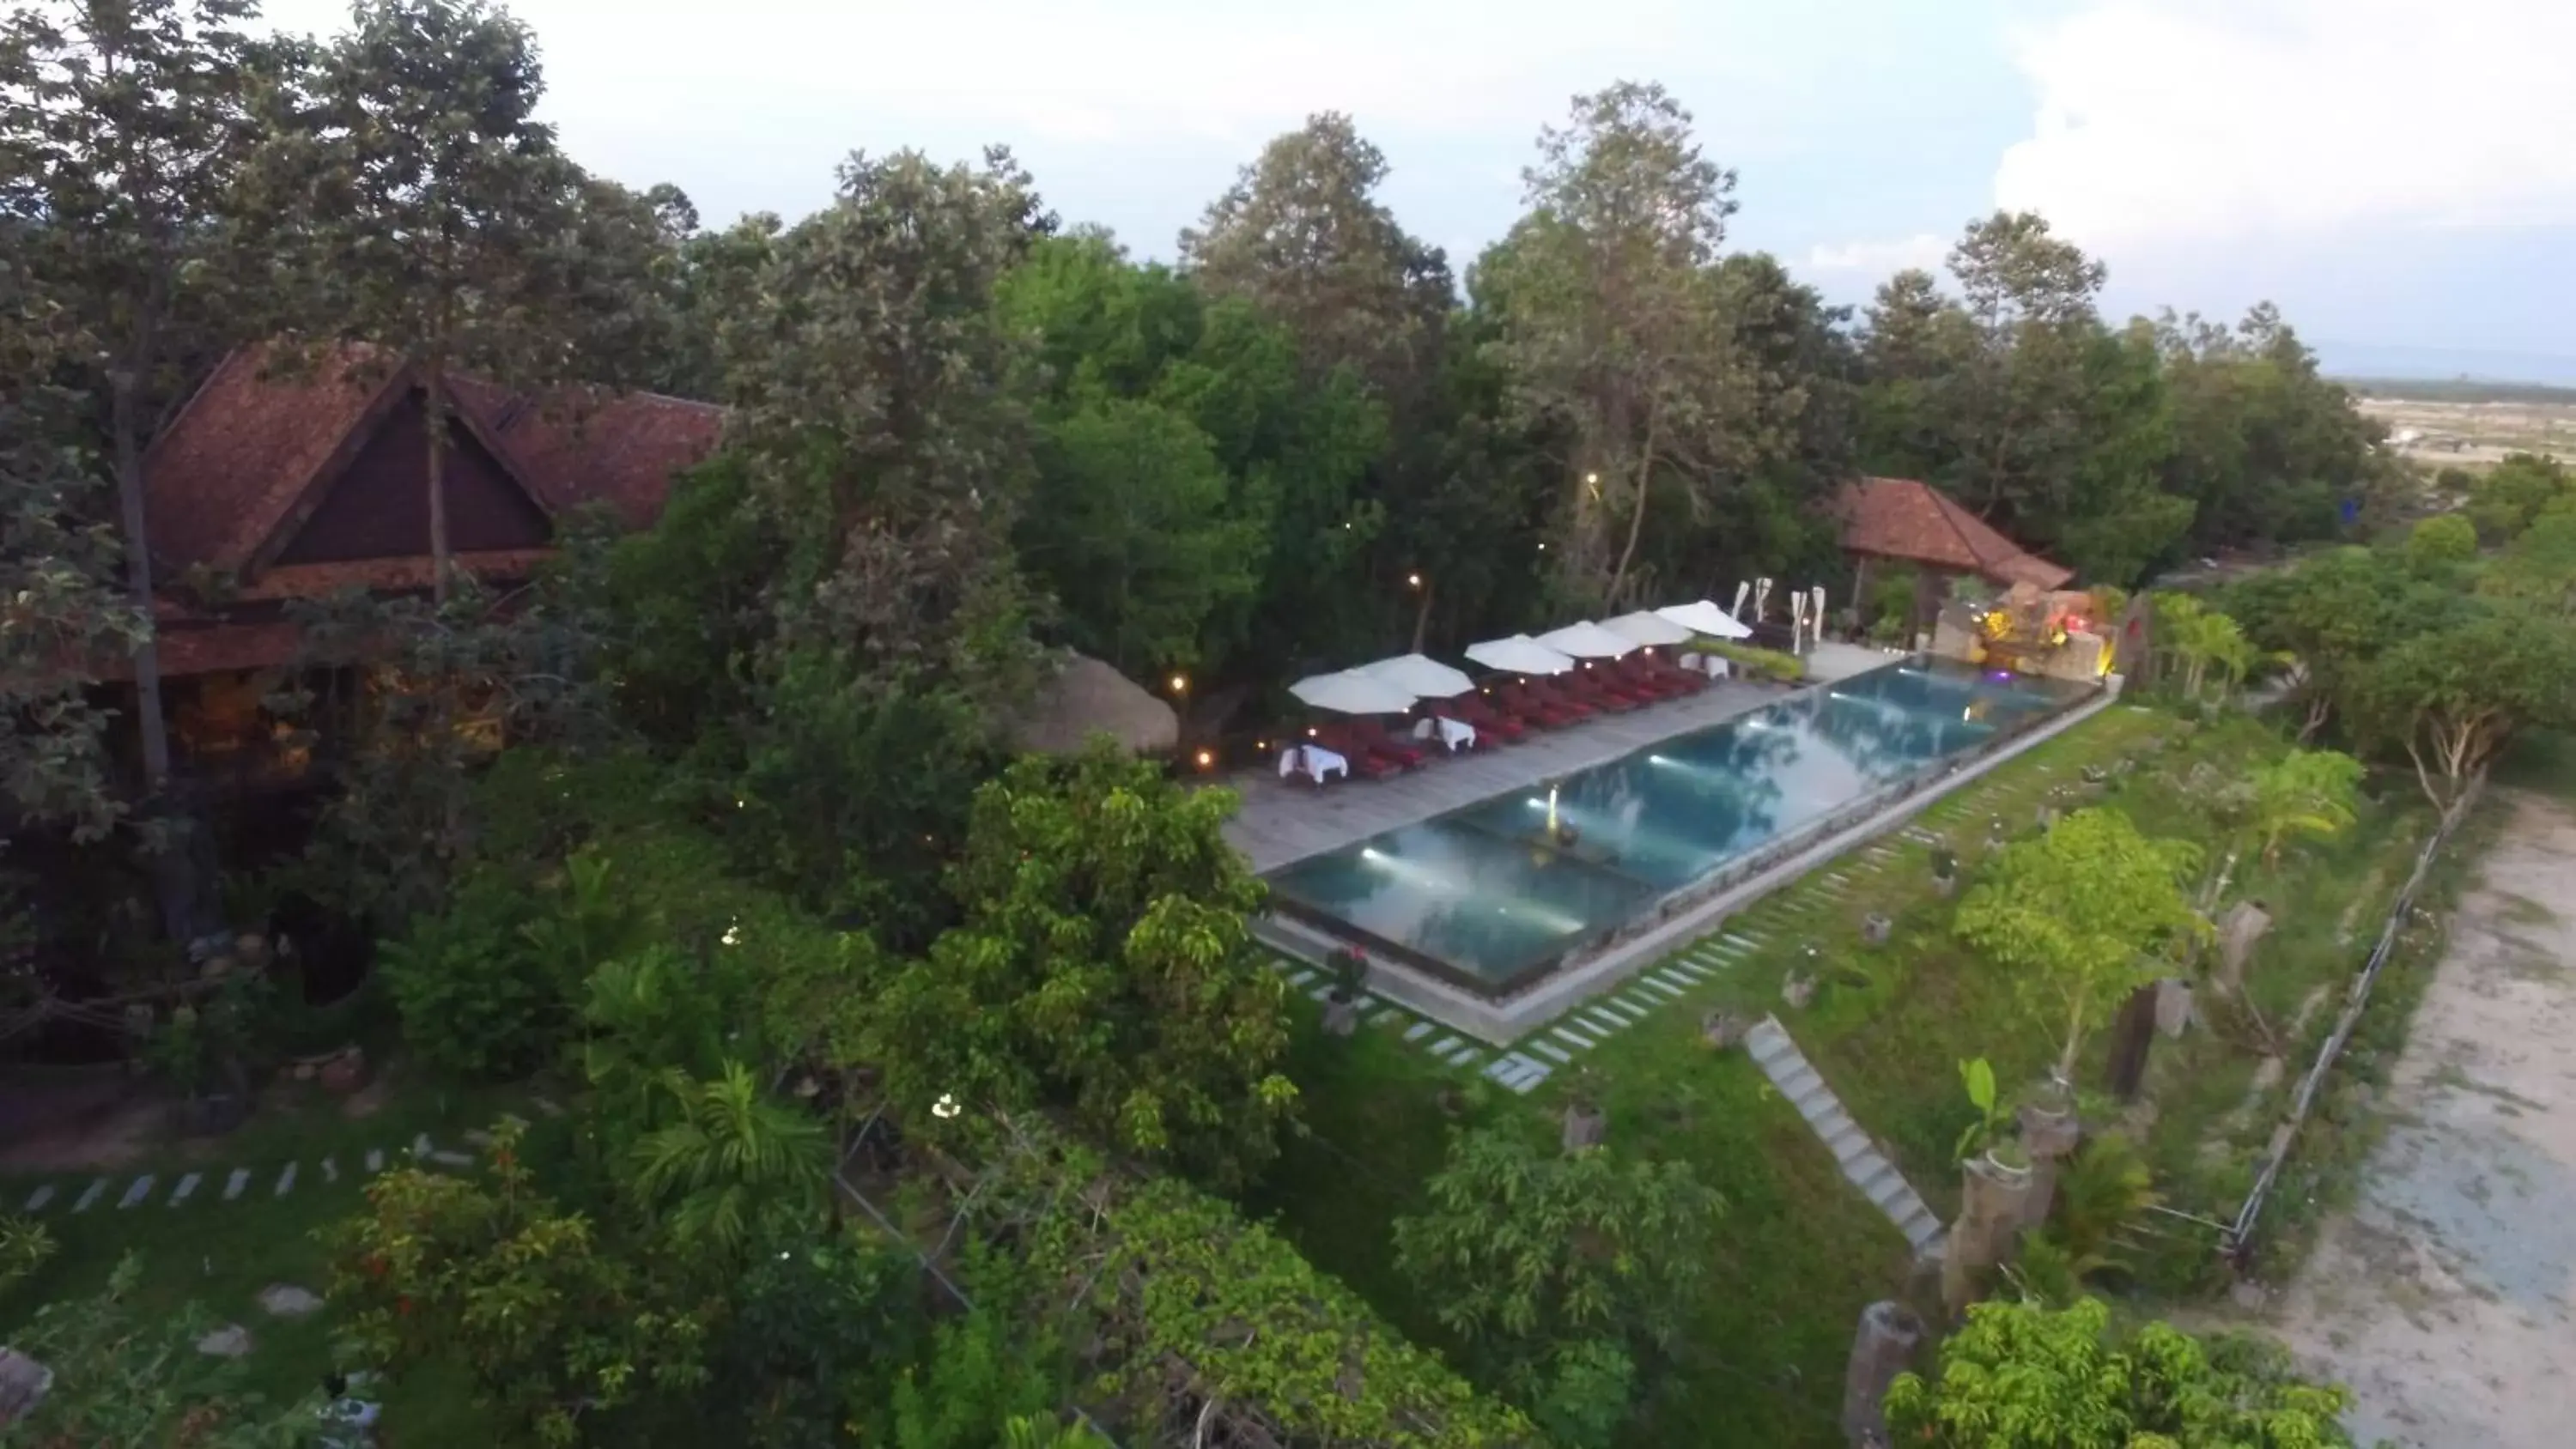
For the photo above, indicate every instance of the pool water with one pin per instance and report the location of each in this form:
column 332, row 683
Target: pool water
column 1487, row 897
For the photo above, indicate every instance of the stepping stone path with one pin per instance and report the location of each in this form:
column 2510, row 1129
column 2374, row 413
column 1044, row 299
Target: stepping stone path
column 285, row 1300
column 1858, row 1158
column 230, row 1341
column 237, row 1181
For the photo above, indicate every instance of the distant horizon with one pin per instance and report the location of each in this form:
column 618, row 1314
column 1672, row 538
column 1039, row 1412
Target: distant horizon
column 2375, row 362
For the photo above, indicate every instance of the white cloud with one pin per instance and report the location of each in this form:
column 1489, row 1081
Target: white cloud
column 2205, row 119
column 1881, row 258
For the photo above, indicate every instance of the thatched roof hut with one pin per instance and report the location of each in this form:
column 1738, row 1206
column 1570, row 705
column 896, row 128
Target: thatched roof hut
column 1086, row 697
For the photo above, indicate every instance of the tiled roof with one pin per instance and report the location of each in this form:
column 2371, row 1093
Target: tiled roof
column 249, row 444
column 1899, row 518
column 586, row 445
column 255, row 439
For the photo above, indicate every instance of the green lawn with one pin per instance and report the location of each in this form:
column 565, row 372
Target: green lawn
column 220, row 1254
column 1800, row 1252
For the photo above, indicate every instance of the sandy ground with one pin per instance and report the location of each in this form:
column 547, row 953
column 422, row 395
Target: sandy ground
column 2475, row 436
column 2446, row 1298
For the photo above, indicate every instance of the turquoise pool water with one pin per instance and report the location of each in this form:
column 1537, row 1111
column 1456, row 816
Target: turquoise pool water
column 1483, row 896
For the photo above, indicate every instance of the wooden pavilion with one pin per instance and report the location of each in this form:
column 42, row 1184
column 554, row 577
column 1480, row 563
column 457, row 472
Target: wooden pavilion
column 1905, row 521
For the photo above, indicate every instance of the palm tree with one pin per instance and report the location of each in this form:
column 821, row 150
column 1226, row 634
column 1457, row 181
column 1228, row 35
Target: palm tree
column 2204, row 639
column 735, row 1161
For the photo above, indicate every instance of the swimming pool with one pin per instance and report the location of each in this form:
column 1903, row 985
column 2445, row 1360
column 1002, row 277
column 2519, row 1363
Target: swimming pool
column 1488, row 897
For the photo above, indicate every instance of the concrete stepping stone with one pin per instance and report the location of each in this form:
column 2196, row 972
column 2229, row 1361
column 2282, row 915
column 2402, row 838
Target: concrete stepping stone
column 1419, row 1030
column 549, row 1106
column 1568, row 1031
column 445, row 1158
column 1670, row 991
column 1322, row 990
column 90, row 1195
column 477, row 1137
column 285, row 1181
column 1467, row 1058
column 1552, row 1053
column 187, row 1188
column 330, row 1170
column 1690, row 969
column 141, row 1189
column 1443, row 1047
column 36, row 1200
column 375, row 1159
column 234, row 1184
column 1747, row 942
column 1602, row 1021
column 1302, row 977
column 421, row 1146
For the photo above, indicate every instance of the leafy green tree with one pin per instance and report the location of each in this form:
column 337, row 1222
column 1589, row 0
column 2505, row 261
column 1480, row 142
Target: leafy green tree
column 2265, row 447
column 2304, row 792
column 433, row 220
column 61, row 606
column 2082, row 916
column 1104, row 962
column 2539, row 566
column 1611, row 323
column 1131, row 528
column 2021, row 1376
column 1530, row 1255
column 734, row 1164
column 120, row 154
column 2516, row 492
column 2333, row 615
column 552, row 1323
column 986, row 1379
column 1302, row 236
column 2438, row 542
column 128, row 1373
column 2452, row 699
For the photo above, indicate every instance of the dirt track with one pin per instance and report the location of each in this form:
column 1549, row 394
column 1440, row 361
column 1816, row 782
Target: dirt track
column 2447, row 1298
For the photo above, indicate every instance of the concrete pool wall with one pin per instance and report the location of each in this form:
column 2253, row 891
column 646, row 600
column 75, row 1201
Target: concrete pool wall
column 1683, row 915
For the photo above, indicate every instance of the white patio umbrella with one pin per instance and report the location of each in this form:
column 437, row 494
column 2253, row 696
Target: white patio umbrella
column 1703, row 617
column 1519, row 654
column 1648, row 628
column 1349, row 691
column 1588, row 640
column 1424, row 677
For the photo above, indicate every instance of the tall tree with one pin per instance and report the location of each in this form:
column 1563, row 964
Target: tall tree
column 1611, row 317
column 120, row 147
column 437, row 225
column 62, row 608
column 1302, row 236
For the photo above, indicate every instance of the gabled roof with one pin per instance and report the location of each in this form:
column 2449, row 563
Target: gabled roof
column 589, row 445
column 1900, row 518
column 224, row 482
column 248, row 445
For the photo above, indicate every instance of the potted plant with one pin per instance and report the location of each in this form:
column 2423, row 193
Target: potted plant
column 1945, row 872
column 1876, row 927
column 1349, row 970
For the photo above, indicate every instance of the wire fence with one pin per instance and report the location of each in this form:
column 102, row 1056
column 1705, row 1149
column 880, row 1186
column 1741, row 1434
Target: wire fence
column 2240, row 1232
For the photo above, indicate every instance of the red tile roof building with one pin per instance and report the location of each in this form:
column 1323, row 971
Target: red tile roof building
column 300, row 482
column 1916, row 523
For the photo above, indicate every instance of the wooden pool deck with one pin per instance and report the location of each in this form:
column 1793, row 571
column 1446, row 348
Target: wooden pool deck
column 1283, row 822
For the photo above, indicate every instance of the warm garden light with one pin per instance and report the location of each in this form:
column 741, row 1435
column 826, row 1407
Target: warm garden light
column 1206, row 758
column 1180, row 684
column 1413, row 580
column 945, row 1108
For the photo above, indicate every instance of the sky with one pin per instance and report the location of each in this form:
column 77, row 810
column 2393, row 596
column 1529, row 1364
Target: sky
column 2398, row 175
